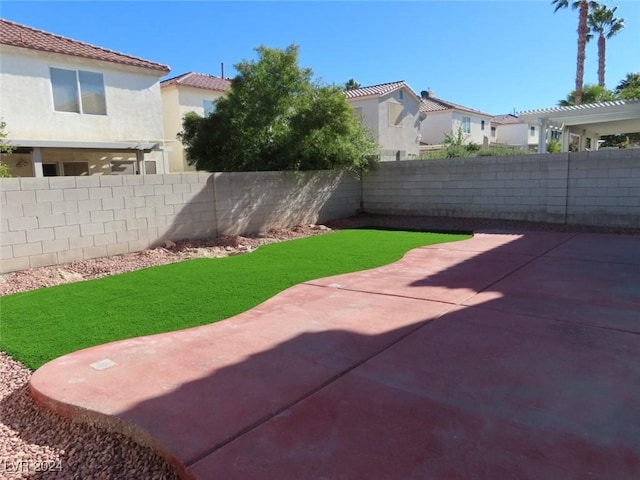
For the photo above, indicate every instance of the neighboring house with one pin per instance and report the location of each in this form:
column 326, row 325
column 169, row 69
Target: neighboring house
column 444, row 117
column 76, row 109
column 583, row 125
column 190, row 92
column 392, row 113
column 513, row 131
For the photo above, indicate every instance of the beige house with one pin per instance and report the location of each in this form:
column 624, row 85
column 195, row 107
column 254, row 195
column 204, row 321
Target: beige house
column 76, row 109
column 190, row 92
column 447, row 117
column 392, row 113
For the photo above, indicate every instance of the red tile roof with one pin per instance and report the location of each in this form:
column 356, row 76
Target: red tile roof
column 433, row 104
column 377, row 90
column 18, row 35
column 199, row 80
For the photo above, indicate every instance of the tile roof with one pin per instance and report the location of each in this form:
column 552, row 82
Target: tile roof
column 377, row 90
column 433, row 104
column 18, row 35
column 199, row 80
column 508, row 119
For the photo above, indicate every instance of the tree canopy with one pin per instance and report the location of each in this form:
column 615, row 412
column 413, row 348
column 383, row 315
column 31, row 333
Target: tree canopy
column 629, row 87
column 275, row 117
column 590, row 94
column 351, row 84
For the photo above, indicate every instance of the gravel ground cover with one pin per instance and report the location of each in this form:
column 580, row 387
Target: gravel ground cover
column 38, row 444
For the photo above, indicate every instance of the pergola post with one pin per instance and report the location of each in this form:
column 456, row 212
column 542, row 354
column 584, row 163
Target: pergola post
column 140, row 162
column 36, row 158
column 542, row 135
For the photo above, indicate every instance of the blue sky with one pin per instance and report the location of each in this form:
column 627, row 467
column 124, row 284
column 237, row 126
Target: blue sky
column 494, row 56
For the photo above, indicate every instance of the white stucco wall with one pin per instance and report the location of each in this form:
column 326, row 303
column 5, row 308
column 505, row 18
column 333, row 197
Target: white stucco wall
column 515, row 134
column 369, row 108
column 477, row 134
column 176, row 102
column 134, row 110
column 435, row 126
column 392, row 138
column 403, row 137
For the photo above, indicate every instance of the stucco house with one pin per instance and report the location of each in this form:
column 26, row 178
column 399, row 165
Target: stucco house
column 513, row 131
column 447, row 117
column 392, row 112
column 189, row 92
column 76, row 109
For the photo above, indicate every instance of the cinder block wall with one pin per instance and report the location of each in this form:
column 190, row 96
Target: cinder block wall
column 56, row 220
column 256, row 202
column 489, row 187
column 593, row 188
column 604, row 188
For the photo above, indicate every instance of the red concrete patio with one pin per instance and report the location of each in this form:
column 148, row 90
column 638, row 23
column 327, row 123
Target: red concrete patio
column 506, row 356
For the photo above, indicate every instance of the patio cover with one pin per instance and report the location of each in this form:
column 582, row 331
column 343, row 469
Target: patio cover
column 603, row 118
column 131, row 145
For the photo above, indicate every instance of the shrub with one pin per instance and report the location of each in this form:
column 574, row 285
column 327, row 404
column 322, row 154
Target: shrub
column 554, row 146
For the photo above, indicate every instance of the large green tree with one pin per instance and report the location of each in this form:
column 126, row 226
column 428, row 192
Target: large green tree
column 275, row 117
column 583, row 33
column 603, row 22
column 629, row 87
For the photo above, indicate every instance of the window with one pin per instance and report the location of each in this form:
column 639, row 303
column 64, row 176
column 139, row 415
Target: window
column 78, row 91
column 401, row 94
column 532, row 131
column 50, row 169
column 395, row 114
column 209, row 107
column 493, row 131
column 150, row 167
column 481, row 124
column 466, row 124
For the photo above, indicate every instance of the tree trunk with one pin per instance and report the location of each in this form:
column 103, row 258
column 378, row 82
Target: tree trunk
column 602, row 45
column 583, row 31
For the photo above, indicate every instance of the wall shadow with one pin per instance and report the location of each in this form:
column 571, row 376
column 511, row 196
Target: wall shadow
column 256, row 202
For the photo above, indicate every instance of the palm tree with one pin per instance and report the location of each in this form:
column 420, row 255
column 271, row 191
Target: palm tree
column 590, row 94
column 583, row 34
column 351, row 84
column 629, row 87
column 603, row 22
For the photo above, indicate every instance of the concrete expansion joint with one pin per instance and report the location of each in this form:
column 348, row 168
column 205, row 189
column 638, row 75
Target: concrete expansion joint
column 533, row 258
column 382, row 294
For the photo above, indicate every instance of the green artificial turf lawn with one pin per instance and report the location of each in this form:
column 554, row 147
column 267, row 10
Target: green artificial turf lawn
column 41, row 325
